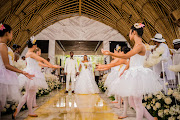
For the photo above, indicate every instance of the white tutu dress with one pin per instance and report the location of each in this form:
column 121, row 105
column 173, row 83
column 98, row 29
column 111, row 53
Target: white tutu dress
column 136, row 81
column 85, row 83
column 33, row 68
column 112, row 76
column 9, row 85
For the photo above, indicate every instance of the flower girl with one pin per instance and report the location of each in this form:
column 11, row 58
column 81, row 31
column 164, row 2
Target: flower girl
column 137, row 80
column 31, row 86
column 8, row 79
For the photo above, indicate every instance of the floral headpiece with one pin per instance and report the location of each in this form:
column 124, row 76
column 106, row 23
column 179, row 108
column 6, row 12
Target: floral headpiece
column 33, row 40
column 2, row 27
column 118, row 47
column 139, row 25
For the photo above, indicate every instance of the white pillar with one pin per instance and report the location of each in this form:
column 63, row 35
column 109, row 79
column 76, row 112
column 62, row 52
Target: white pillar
column 51, row 52
column 106, row 47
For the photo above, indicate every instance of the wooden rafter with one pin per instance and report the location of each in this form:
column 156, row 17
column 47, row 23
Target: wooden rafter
column 36, row 15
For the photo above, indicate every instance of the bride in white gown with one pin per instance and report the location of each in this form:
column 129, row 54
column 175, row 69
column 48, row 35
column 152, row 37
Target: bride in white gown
column 85, row 83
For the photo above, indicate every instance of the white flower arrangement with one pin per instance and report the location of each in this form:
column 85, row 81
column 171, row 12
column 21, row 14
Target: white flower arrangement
column 20, row 64
column 148, row 107
column 164, row 106
column 150, row 96
column 160, row 113
column 168, row 100
column 158, row 105
column 155, row 57
column 170, row 91
column 171, row 118
column 166, row 111
column 175, row 68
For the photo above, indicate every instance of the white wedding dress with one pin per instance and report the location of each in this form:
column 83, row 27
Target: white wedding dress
column 85, row 83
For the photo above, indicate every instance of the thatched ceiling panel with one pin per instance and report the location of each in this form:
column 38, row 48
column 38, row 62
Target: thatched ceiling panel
column 35, row 15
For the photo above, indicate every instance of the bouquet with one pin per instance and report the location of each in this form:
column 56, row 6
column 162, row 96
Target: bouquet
column 155, row 57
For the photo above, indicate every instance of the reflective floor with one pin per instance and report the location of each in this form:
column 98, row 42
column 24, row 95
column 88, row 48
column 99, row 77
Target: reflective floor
column 74, row 107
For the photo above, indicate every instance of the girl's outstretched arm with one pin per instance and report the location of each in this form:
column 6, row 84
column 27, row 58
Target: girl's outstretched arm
column 135, row 50
column 40, row 59
column 108, row 66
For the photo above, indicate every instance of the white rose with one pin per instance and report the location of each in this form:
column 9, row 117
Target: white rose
column 171, row 118
column 175, row 94
column 154, row 108
column 170, row 92
column 172, row 111
column 166, row 83
column 158, row 105
column 168, row 100
column 148, row 107
column 166, row 111
column 153, row 101
column 7, row 105
column 159, row 97
column 160, row 113
column 13, row 107
column 144, row 104
column 149, row 95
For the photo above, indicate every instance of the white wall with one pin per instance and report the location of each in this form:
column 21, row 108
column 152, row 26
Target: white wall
column 79, row 28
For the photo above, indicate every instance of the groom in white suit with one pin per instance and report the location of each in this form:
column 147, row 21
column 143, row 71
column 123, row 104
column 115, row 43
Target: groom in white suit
column 71, row 70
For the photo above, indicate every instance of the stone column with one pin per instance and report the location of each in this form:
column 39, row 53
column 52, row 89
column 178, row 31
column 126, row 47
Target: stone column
column 106, row 47
column 51, row 52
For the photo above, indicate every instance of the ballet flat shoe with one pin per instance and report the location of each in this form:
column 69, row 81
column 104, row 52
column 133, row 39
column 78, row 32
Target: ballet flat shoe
column 155, row 118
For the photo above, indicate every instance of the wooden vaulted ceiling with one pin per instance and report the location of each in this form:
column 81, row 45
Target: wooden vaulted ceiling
column 29, row 17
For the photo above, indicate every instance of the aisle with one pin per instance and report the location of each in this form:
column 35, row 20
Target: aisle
column 74, row 107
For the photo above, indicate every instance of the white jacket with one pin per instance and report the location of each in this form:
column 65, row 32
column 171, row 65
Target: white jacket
column 71, row 66
column 165, row 56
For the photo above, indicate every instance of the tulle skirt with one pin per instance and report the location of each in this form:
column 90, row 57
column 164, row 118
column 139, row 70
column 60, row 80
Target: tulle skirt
column 136, row 81
column 38, row 81
column 9, row 87
column 110, row 78
column 85, row 83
